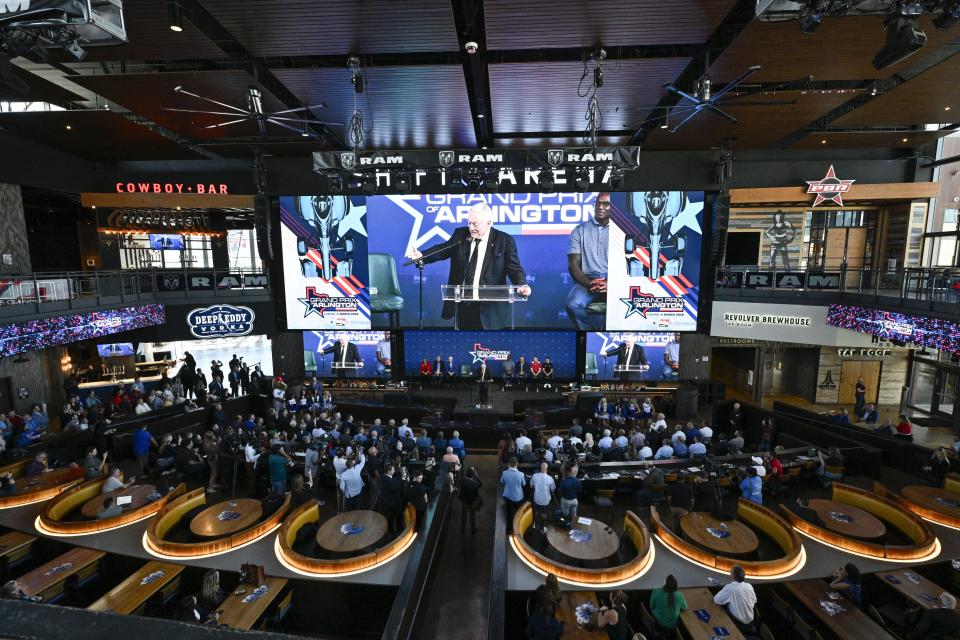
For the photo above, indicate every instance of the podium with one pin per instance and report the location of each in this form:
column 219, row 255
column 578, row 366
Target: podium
column 483, row 293
column 483, row 394
column 342, row 369
column 625, row 370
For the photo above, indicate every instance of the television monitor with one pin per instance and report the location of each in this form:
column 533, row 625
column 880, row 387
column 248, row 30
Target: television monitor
column 315, row 342
column 115, row 349
column 161, row 241
column 660, row 351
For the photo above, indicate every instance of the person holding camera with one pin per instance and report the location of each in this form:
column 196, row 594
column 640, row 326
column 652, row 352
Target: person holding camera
column 470, row 500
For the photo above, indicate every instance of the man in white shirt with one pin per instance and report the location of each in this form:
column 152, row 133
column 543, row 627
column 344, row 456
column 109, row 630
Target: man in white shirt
column 665, row 452
column 352, row 484
column 758, row 465
column 554, row 442
column 706, row 433
column 543, row 488
column 575, row 440
column 697, row 448
column 404, row 430
column 622, row 440
column 659, row 424
column 645, row 453
column 739, row 598
column 606, row 441
column 317, row 432
column 142, row 407
column 523, row 441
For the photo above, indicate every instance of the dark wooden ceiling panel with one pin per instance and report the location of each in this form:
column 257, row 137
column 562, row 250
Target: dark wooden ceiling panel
column 570, row 23
column 150, row 38
column 543, row 96
column 841, row 49
column 149, row 93
column 924, row 99
column 868, row 139
column 97, row 135
column 312, row 27
column 759, row 126
column 403, row 107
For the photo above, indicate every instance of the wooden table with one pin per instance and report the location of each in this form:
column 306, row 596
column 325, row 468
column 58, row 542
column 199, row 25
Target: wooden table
column 46, row 480
column 242, row 611
column 226, row 517
column 15, row 546
column 351, row 531
column 741, row 540
column 594, row 541
column 131, row 594
column 850, row 624
column 567, row 614
column 47, row 579
column 139, row 493
column 934, row 498
column 925, row 593
column 697, row 629
column 847, row 520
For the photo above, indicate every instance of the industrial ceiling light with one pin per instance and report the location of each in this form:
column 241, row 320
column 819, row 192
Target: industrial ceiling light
column 356, row 75
column 811, row 16
column 74, row 49
column 472, row 180
column 402, row 182
column 616, row 178
column 949, row 16
column 904, row 38
column 582, row 179
column 174, row 16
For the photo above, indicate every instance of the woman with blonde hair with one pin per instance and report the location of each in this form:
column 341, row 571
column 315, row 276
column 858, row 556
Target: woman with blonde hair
column 211, row 450
column 211, row 595
column 547, row 595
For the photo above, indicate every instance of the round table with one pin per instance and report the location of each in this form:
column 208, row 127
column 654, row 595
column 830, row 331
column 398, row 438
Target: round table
column 847, row 520
column 351, row 531
column 139, row 494
column 934, row 498
column 227, row 517
column 594, row 541
column 726, row 537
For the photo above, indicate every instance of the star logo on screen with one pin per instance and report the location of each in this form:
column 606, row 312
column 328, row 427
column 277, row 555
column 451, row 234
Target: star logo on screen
column 481, row 353
column 830, row 188
column 642, row 303
column 320, row 303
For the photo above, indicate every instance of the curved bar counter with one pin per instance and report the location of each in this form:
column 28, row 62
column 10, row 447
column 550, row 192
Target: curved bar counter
column 51, row 519
column 38, row 488
column 309, row 513
column 171, row 514
column 605, row 577
column 758, row 517
column 924, row 543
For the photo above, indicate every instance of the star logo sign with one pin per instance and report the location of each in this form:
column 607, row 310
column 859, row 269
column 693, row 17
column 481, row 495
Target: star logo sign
column 314, row 302
column 830, row 188
column 479, row 353
column 638, row 302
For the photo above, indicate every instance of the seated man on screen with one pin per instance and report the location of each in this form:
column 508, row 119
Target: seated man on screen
column 629, row 354
column 345, row 353
column 671, row 358
column 439, row 368
column 479, row 256
column 587, row 264
column 451, row 368
column 384, row 359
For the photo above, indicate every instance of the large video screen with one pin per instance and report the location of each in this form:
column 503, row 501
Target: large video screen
column 315, row 342
column 660, row 351
column 469, row 348
column 115, row 349
column 40, row 334
column 324, row 245
column 942, row 335
column 638, row 264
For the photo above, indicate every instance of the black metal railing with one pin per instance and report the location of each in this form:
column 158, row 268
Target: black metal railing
column 56, row 291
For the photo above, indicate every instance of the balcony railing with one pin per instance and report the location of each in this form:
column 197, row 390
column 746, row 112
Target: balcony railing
column 907, row 287
column 49, row 293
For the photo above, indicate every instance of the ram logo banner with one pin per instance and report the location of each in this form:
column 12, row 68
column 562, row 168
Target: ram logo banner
column 221, row 321
column 348, row 160
column 446, row 158
column 830, row 189
column 325, row 270
column 654, row 261
column 555, row 157
column 481, row 353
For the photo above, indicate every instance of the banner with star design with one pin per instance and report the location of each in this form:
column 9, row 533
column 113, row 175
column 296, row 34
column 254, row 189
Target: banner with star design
column 325, row 269
column 470, row 348
column 653, row 276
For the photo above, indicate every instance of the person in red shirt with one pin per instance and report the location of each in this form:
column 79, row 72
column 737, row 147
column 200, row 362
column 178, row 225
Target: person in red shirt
column 905, row 429
column 426, row 370
column 776, row 467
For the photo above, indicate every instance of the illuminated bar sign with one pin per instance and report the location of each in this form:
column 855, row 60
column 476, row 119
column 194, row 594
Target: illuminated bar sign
column 201, row 188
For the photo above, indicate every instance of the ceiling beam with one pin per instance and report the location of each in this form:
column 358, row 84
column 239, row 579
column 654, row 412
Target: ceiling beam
column 726, row 32
column 469, row 19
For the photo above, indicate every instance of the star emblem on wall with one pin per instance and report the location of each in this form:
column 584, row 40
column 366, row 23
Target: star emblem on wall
column 830, row 188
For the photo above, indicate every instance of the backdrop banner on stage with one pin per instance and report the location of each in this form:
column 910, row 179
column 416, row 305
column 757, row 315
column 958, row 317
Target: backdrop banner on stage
column 653, row 280
column 314, row 342
column 661, row 351
column 469, row 348
column 324, row 241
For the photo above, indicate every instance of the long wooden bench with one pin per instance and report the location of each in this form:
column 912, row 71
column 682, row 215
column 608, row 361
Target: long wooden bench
column 48, row 580
column 130, row 597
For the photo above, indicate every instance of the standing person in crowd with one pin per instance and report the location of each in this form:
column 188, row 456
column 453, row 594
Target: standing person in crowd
column 142, row 442
column 352, row 483
column 211, row 451
column 470, row 500
column 666, row 603
column 860, row 397
column 277, row 465
column 392, row 493
column 513, row 482
column 739, row 599
column 939, row 467
column 569, row 493
column 543, row 488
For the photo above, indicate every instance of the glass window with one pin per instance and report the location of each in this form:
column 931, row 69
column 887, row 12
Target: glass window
column 947, row 393
column 242, row 249
column 924, row 377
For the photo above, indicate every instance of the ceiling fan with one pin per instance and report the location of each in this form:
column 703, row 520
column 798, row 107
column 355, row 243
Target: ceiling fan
column 703, row 99
column 255, row 113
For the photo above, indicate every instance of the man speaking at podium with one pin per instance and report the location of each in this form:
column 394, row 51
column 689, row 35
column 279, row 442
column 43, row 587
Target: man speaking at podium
column 345, row 353
column 479, row 256
column 629, row 354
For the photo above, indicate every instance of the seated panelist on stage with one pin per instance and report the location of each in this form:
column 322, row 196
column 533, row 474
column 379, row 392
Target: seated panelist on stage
column 344, row 353
column 629, row 354
column 439, row 367
column 587, row 264
column 479, row 255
